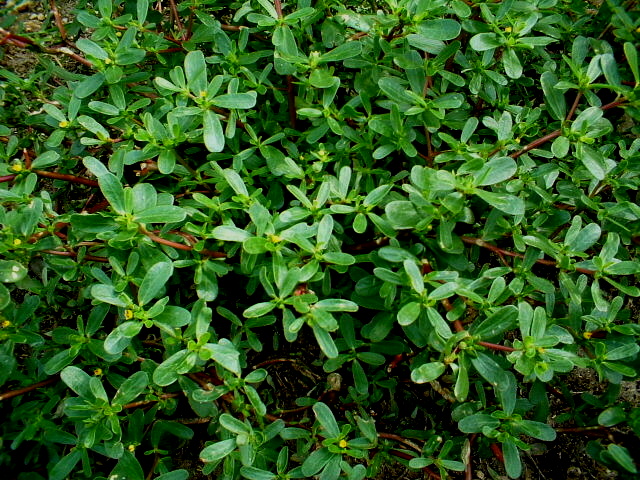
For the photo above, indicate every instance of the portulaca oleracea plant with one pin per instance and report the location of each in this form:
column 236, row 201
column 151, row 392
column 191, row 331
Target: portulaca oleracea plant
column 277, row 240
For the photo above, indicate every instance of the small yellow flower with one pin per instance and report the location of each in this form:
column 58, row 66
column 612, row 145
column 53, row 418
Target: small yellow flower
column 63, row 124
column 17, row 242
column 587, row 335
column 343, row 443
column 131, row 448
column 97, row 372
column 6, row 324
column 128, row 314
column 17, row 167
column 508, row 30
column 108, row 61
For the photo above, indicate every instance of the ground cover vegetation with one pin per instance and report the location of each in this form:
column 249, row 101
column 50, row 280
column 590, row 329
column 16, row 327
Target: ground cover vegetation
column 272, row 240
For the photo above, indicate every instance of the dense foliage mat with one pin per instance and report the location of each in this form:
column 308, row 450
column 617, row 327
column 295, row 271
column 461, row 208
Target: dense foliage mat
column 426, row 208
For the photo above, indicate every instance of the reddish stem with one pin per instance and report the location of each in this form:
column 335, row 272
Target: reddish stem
column 278, row 6
column 499, row 251
column 21, row 391
column 66, row 177
column 497, row 451
column 494, row 346
column 7, row 178
column 181, row 246
column 574, row 107
column 91, row 258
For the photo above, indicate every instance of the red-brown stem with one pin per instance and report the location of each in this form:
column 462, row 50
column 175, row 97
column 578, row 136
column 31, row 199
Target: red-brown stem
column 181, row 246
column 457, row 324
column 615, row 104
column 399, row 439
column 22, row 391
column 7, row 178
column 27, row 158
column 495, row 346
column 574, row 107
column 406, row 456
column 176, row 16
column 58, row 19
column 232, row 28
column 468, row 471
column 537, row 143
column 278, row 6
column 481, row 243
column 497, row 451
column 66, row 177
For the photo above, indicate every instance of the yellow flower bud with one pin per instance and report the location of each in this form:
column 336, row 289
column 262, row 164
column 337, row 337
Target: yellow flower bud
column 508, row 30
column 63, row 124
column 16, row 242
column 128, row 314
column 131, row 448
column 343, row 443
column 6, row 324
column 17, row 167
column 97, row 372
column 587, row 335
column 108, row 61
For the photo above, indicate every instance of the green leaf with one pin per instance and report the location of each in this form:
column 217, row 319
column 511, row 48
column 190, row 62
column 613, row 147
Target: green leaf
column 92, row 49
column 553, row 97
column 131, row 388
column 236, row 100
column 120, row 337
column 154, row 280
column 230, row 234
column 509, row 204
column 625, row 267
column 46, row 159
column 511, row 63
column 440, row 29
column 77, row 380
column 326, row 419
column 612, row 416
column 512, row 463
column 89, row 85
column 65, row 465
column 348, row 49
column 226, row 354
column 195, row 69
column 5, row 297
column 485, row 41
column 11, row 271
column 592, row 159
column 336, row 305
column 212, row 133
column 392, row 88
column 415, row 276
column 325, row 342
column 631, row 54
column 505, row 318
column 218, row 450
column 161, row 214
column 428, row 372
column 253, row 473
column 258, row 310
column 409, row 313
column 477, row 422
column 316, row 461
column 622, row 457
column 495, row 170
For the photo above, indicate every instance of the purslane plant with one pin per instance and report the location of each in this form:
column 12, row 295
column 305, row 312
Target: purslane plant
column 403, row 198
